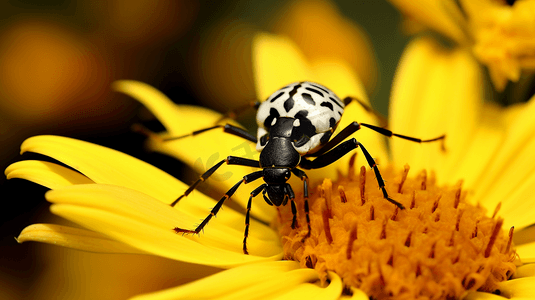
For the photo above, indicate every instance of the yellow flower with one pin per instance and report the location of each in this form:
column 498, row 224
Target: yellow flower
column 221, row 69
column 501, row 36
column 123, row 202
column 305, row 21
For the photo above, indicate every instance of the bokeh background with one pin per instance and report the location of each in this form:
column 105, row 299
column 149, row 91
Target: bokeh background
column 58, row 59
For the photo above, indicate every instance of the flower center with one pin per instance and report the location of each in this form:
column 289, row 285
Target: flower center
column 438, row 247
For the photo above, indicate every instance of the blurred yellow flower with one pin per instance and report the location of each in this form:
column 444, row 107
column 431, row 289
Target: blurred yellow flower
column 123, row 202
column 222, row 65
column 322, row 32
column 500, row 34
column 60, row 65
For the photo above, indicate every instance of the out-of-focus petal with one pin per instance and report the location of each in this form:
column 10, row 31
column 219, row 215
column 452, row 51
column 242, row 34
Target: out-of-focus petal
column 524, row 236
column 277, row 61
column 45, row 173
column 219, row 65
column 141, row 222
column 305, row 21
column 526, row 252
column 74, row 238
column 442, row 16
column 177, row 119
column 502, row 37
column 239, row 282
column 527, row 270
column 435, row 92
column 73, row 274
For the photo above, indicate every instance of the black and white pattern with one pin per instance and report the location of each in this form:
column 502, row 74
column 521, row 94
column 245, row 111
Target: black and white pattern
column 317, row 111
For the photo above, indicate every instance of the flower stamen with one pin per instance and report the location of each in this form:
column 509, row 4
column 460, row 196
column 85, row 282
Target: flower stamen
column 458, row 194
column 441, row 245
column 362, row 178
column 511, row 231
column 497, row 209
column 326, row 226
column 493, row 237
column 352, row 239
column 342, row 193
column 394, row 216
column 406, row 169
column 423, row 186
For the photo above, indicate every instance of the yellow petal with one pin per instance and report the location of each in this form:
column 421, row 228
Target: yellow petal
column 312, row 291
column 516, row 288
column 305, row 21
column 482, row 296
column 436, row 15
column 526, row 252
column 107, row 166
column 485, row 143
column 226, row 282
column 517, row 207
column 435, row 92
column 269, row 288
column 301, row 291
column 177, row 119
column 45, row 173
column 162, row 107
column 151, row 239
column 87, row 276
column 513, row 163
column 201, row 151
column 524, row 236
column 277, row 61
column 525, row 271
column 358, row 295
column 137, row 207
column 74, row 238
column 104, row 165
column 513, row 176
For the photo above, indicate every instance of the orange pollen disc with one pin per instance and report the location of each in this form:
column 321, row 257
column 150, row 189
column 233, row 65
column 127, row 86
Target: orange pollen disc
column 438, row 247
